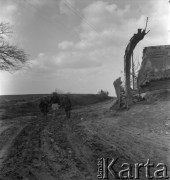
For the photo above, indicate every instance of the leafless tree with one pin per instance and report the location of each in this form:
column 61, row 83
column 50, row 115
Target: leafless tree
column 134, row 72
column 11, row 57
column 127, row 60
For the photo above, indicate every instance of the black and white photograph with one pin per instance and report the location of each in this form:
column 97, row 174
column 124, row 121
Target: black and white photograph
column 84, row 89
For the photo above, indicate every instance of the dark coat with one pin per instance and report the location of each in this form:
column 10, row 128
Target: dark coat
column 55, row 100
column 67, row 104
column 43, row 105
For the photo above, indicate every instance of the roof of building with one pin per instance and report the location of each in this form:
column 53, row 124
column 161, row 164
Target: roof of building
column 155, row 64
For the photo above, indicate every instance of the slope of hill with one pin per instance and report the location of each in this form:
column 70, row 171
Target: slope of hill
column 70, row 148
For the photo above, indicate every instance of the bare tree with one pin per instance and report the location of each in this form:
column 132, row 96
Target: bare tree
column 127, row 60
column 134, row 73
column 11, row 57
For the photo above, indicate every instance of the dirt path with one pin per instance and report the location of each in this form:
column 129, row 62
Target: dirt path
column 7, row 133
column 70, row 148
column 132, row 136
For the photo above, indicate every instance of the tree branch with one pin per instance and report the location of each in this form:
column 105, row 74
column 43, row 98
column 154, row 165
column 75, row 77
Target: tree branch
column 11, row 57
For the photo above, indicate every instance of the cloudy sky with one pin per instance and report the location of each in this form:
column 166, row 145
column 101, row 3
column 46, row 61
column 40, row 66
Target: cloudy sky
column 78, row 46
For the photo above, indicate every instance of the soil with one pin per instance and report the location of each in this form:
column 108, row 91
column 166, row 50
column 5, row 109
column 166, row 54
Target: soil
column 35, row 148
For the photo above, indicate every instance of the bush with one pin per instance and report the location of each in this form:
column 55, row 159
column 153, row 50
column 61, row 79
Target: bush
column 103, row 93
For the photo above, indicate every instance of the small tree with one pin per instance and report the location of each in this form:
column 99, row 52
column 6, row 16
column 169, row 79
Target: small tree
column 11, row 57
column 104, row 93
column 58, row 91
column 134, row 73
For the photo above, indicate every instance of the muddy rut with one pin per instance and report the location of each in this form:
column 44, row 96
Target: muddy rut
column 50, row 149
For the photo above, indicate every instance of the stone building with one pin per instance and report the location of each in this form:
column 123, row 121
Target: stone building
column 154, row 73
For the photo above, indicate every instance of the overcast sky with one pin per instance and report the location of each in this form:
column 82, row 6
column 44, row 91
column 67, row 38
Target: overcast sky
column 78, row 46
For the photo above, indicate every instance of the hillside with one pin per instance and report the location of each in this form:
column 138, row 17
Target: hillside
column 76, row 99
column 70, row 148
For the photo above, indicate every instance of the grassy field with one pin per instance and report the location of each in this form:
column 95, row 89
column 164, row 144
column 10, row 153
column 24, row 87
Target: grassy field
column 76, row 99
column 23, row 105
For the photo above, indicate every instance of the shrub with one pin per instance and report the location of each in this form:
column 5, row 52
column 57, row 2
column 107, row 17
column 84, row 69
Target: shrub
column 103, row 93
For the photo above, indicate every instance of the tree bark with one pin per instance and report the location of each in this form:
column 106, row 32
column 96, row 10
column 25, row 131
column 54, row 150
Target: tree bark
column 117, row 85
column 127, row 61
column 133, row 73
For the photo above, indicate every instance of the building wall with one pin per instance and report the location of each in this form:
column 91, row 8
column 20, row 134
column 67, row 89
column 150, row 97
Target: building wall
column 155, row 66
column 156, row 85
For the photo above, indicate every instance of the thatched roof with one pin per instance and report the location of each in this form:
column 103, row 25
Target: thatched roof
column 155, row 64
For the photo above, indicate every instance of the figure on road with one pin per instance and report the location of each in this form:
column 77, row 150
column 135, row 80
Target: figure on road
column 67, row 106
column 44, row 106
column 55, row 104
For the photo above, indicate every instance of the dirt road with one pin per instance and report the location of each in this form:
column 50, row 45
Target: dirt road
column 70, row 148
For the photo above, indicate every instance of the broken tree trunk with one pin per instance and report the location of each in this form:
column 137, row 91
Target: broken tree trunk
column 127, row 61
column 117, row 85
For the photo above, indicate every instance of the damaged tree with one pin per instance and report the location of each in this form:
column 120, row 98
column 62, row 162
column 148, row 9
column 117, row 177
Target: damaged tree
column 11, row 57
column 117, row 85
column 127, row 61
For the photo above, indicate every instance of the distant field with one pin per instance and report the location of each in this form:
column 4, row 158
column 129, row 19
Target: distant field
column 86, row 99
column 22, row 105
column 76, row 99
column 22, row 97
